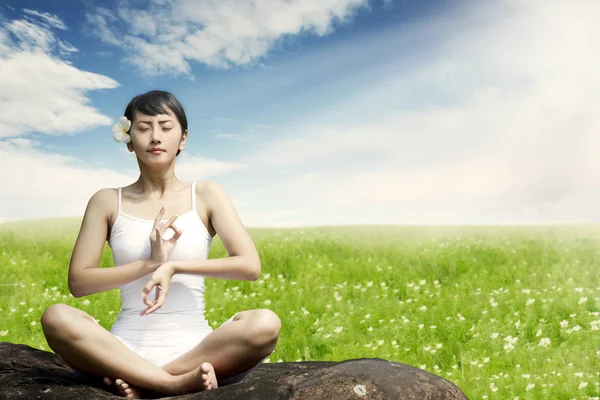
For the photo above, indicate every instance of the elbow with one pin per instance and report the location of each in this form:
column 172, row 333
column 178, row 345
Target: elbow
column 75, row 292
column 254, row 273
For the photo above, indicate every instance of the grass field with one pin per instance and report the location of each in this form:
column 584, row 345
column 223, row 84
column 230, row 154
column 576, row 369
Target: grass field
column 503, row 312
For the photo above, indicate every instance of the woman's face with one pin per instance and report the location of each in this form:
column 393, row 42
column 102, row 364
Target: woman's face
column 162, row 131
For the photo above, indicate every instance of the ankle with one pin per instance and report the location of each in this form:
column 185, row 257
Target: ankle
column 170, row 385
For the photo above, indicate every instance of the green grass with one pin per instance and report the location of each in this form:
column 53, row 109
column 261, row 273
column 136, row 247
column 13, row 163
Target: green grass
column 444, row 299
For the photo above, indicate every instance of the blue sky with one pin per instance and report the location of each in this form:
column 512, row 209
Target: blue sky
column 312, row 113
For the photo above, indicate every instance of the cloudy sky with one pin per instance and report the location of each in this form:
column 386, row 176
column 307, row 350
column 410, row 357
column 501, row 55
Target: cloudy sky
column 313, row 112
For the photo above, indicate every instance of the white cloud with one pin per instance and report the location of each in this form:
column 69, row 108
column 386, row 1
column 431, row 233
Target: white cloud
column 47, row 19
column 197, row 167
column 41, row 92
column 44, row 185
column 513, row 138
column 216, row 33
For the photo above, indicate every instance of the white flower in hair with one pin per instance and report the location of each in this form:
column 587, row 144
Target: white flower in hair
column 120, row 130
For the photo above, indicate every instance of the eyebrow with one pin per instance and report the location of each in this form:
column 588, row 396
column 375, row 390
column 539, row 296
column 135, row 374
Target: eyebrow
column 160, row 122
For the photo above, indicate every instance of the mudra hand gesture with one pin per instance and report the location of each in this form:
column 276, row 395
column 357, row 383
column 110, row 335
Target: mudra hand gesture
column 161, row 278
column 161, row 249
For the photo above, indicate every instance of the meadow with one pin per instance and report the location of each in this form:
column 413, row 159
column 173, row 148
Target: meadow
column 503, row 312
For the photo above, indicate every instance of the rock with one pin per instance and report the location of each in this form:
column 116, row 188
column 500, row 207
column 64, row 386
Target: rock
column 28, row 373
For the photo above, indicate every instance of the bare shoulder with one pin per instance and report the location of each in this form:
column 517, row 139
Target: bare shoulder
column 104, row 201
column 212, row 194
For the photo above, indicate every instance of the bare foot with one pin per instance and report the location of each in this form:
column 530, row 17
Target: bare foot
column 207, row 373
column 126, row 390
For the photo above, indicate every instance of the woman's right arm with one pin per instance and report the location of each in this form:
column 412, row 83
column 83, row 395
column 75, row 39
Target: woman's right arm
column 85, row 277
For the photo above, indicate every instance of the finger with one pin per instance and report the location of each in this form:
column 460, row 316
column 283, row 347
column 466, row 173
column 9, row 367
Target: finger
column 159, row 302
column 176, row 236
column 166, row 225
column 147, row 290
column 158, row 217
column 149, row 303
column 157, row 305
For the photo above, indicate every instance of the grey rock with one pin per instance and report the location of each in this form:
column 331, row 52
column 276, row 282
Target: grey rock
column 28, row 373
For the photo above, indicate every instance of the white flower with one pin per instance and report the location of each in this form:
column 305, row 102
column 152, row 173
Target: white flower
column 530, row 302
column 545, row 342
column 530, row 386
column 564, row 323
column 120, row 130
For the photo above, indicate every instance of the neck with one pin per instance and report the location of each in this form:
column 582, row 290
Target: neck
column 157, row 187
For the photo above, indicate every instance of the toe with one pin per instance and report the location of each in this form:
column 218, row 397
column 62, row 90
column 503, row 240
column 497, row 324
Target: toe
column 107, row 380
column 205, row 367
column 119, row 381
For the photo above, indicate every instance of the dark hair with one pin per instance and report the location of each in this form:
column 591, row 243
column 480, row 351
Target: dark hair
column 153, row 103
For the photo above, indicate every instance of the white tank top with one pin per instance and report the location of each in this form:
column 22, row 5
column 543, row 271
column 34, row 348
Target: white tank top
column 129, row 241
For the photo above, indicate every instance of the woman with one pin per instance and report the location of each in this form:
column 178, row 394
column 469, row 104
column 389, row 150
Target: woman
column 165, row 344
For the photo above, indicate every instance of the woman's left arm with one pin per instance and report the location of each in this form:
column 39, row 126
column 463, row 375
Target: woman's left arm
column 234, row 267
column 243, row 262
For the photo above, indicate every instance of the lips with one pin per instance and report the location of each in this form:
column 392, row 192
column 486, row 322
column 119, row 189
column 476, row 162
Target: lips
column 153, row 150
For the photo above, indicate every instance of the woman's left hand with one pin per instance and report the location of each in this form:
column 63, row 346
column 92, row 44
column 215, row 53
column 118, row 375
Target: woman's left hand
column 161, row 278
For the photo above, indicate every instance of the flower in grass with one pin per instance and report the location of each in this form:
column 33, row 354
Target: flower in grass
column 338, row 329
column 564, row 323
column 582, row 300
column 494, row 335
column 539, row 333
column 582, row 385
column 86, row 302
column 529, row 302
column 544, row 342
column 530, row 386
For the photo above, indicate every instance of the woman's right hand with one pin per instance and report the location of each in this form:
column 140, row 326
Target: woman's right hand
column 161, row 249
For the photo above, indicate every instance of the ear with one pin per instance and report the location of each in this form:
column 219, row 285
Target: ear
column 183, row 140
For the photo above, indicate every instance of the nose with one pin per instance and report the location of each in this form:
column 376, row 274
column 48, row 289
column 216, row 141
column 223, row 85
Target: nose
column 155, row 134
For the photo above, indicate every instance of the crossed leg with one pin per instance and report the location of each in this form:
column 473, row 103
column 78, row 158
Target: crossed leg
column 87, row 346
column 233, row 348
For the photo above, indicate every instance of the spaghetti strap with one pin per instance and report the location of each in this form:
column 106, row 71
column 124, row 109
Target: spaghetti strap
column 193, row 196
column 119, row 202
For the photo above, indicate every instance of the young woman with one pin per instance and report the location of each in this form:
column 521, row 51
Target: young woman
column 164, row 345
